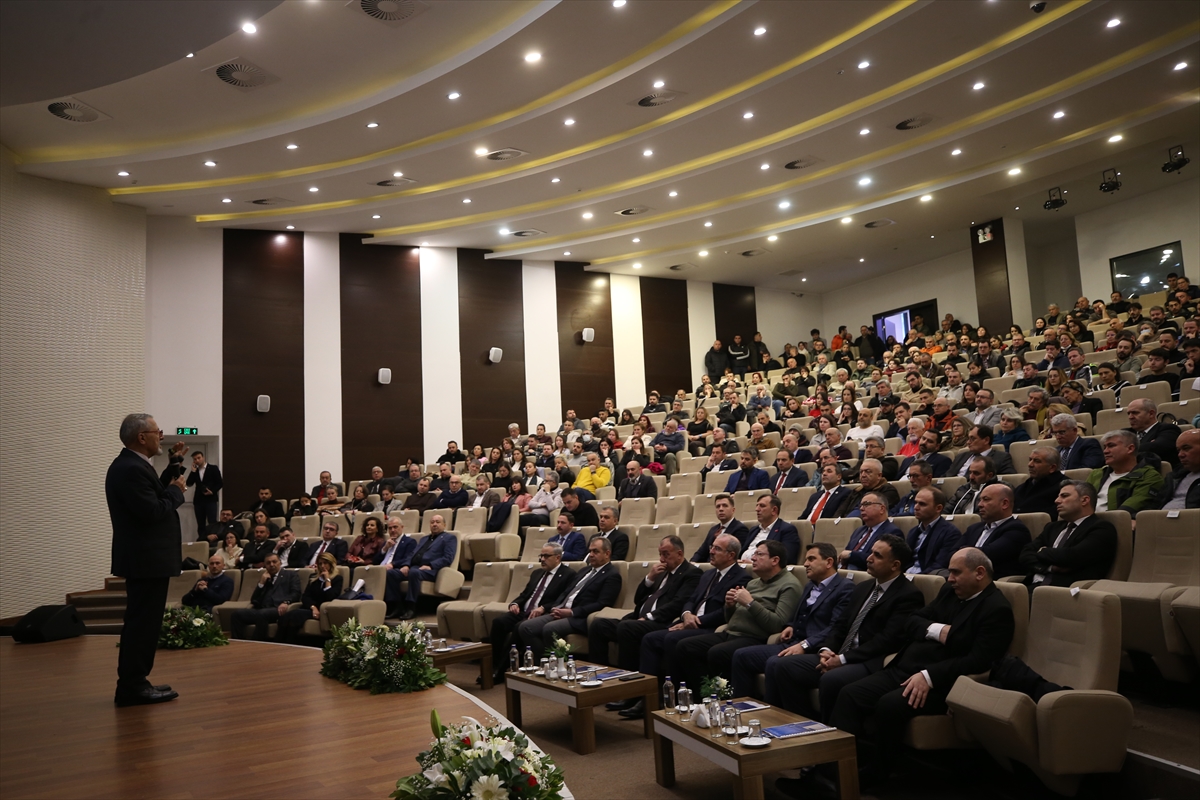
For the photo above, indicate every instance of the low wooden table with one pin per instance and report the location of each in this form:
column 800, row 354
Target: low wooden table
column 749, row 765
column 467, row 651
column 580, row 700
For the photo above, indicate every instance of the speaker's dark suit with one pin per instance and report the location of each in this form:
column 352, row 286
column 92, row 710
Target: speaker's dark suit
column 981, row 630
column 1084, row 453
column 1086, row 556
column 628, row 631
column 883, row 624
column 264, row 604
column 860, row 543
column 707, row 603
column 941, row 540
column 832, row 506
column 781, row 531
column 503, row 626
column 145, row 551
column 937, row 462
column 206, row 500
column 810, row 623
column 1003, row 545
column 735, row 528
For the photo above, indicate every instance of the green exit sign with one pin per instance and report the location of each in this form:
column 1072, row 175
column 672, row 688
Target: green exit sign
column 187, row 431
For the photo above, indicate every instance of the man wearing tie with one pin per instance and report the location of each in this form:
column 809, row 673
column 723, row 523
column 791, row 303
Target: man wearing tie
column 825, row 503
column 277, row 589
column 1078, row 547
column 207, row 480
column 592, row 589
column 540, row 594
column 789, row 476
column 637, row 483
column 920, row 475
column 726, row 524
column 1037, row 495
column 1074, row 451
column 571, row 540
column 933, row 539
column 608, row 529
column 874, row 510
column 1000, row 535
column 434, row 553
column 748, row 477
column 397, row 550
column 771, row 528
column 929, row 445
column 329, row 543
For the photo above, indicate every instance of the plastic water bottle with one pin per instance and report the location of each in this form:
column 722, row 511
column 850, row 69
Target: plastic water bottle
column 714, row 717
column 683, row 699
column 514, row 658
column 529, row 659
column 572, row 670
column 668, row 697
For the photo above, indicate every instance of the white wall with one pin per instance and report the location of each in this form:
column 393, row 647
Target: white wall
column 1166, row 215
column 543, row 375
column 441, row 364
column 72, row 365
column 629, row 358
column 702, row 325
column 784, row 318
column 322, row 345
column 1053, row 276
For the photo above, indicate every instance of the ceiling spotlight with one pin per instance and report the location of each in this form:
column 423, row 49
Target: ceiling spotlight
column 1176, row 160
column 190, row 55
column 226, row 200
column 785, row 204
column 772, row 238
column 374, row 216
column 372, row 124
column 978, row 86
column 931, row 236
column 292, row 146
column 566, row 252
column 637, row 265
column 759, row 31
column 956, row 152
column 864, row 64
column 748, row 115
column 397, row 174
column 847, row 220
column 505, row 231
column 1111, row 182
column 481, row 151
column 1181, row 65
column 1112, row 23
column 122, row 174
column 864, row 181
column 312, row 188
column 864, row 131
column 1056, row 200
column 210, row 163
column 659, row 84
column 925, row 198
column 647, row 153
column 587, row 215
column 1116, row 137
column 1016, row 208
column 861, row 260
column 804, row 280
column 466, row 199
column 703, row 252
column 616, row 4
column 1059, row 114
column 1015, row 171
column 636, row 240
column 453, row 96
column 532, row 57
column 554, row 180
column 568, row 121
column 708, row 224
column 291, row 227
column 249, row 28
column 672, row 194
column 765, row 166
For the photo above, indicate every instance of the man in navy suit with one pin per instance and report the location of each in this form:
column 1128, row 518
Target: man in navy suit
column 748, row 477
column 397, row 550
column 825, row 503
column 874, row 512
column 453, row 496
column 207, row 480
column 771, row 528
column 434, row 553
column 592, row 589
column 330, row 543
column 573, row 545
column 920, row 475
column 824, row 598
column 933, row 539
column 145, row 552
column 789, row 476
column 1000, row 535
column 543, row 590
column 1074, row 451
column 930, row 442
column 726, row 523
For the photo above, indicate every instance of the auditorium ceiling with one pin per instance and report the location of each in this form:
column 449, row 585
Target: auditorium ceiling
column 800, row 145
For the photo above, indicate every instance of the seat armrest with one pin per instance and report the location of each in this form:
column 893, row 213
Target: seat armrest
column 1083, row 730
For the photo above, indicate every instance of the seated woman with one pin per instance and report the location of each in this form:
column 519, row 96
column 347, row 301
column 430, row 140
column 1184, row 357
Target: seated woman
column 367, row 544
column 324, row 586
column 968, row 401
column 1056, row 379
column 302, row 507
column 546, row 499
column 530, row 476
column 230, row 550
column 792, row 410
column 328, row 502
column 494, row 461
column 1010, row 429
column 824, row 423
column 847, row 413
column 959, row 428
column 477, row 454
column 634, row 450
column 699, row 427
column 358, row 502
column 260, row 518
column 1110, row 341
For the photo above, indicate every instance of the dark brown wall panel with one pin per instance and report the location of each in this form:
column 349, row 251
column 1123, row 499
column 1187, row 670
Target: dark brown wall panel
column 665, row 335
column 587, row 372
column 262, row 353
column 490, row 315
column 990, row 259
column 735, row 312
column 381, row 327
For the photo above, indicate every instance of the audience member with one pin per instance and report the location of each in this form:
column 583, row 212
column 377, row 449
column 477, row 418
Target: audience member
column 568, row 538
column 266, row 503
column 727, row 525
column 1181, row 489
column 434, row 553
column 594, row 587
column 323, row 586
column 1037, row 495
column 1153, row 437
column 258, row 548
column 1126, row 482
column 933, row 539
column 608, row 530
column 366, row 545
column 277, row 589
column 584, row 513
column 543, row 590
column 771, row 528
column 920, row 475
column 547, row 498
column 929, row 445
column 292, row 552
column 999, row 534
column 832, row 496
column 1078, row 546
column 982, row 473
column 213, row 588
column 874, row 513
column 329, row 543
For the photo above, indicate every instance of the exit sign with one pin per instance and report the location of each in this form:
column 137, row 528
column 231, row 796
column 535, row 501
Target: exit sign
column 187, row 431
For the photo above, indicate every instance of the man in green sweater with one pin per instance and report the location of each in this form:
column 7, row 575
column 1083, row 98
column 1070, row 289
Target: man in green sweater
column 752, row 613
column 1124, row 483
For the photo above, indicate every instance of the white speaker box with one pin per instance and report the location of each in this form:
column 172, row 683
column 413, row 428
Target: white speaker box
column 495, row 354
column 264, row 403
column 385, row 376
column 589, row 334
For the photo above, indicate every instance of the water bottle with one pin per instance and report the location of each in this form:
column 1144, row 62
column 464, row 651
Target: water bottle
column 529, row 659
column 668, row 697
column 572, row 671
column 552, row 670
column 514, row 658
column 683, row 701
column 714, row 717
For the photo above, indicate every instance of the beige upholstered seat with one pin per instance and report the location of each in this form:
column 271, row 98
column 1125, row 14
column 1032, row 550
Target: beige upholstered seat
column 181, row 584
column 534, row 539
column 463, row 619
column 1159, row 392
column 492, row 546
column 674, row 510
column 792, row 502
column 692, row 534
column 1074, row 640
column 1186, row 610
column 703, row 508
column 648, row 540
column 836, row 531
column 471, row 520
column 638, row 511
column 306, row 527
column 685, row 483
column 519, row 573
column 1112, row 419
column 743, row 505
column 449, row 578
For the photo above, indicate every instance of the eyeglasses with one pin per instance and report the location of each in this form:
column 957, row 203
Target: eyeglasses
column 869, row 503
column 155, row 431
column 544, row 555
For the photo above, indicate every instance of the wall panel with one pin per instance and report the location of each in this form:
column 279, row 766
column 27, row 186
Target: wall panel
column 666, row 336
column 381, row 327
column 586, row 369
column 543, row 387
column 735, row 311
column 323, row 352
column 262, row 353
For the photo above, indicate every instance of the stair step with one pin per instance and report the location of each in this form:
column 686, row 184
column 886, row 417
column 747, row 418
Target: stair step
column 99, row 627
column 82, row 600
column 112, row 584
column 101, row 613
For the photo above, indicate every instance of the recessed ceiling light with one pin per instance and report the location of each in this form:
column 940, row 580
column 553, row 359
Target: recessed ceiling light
column 978, row 86
column 759, row 31
column 708, row 224
column 453, row 96
column 765, row 166
column 864, row 64
column 466, row 199
column 554, row 180
column 647, row 153
column 703, row 252
column 748, row 115
column 659, row 84
column 955, row 152
column 568, row 121
column 931, row 236
column 372, row 124
column 312, row 188
column 397, row 174
column 785, row 204
column 532, row 57
column 424, row 244
column 292, row 146
column 122, row 174
column 864, row 181
column 190, row 55
column 925, row 198
column 566, row 252
column 847, row 220
column 1181, row 65
column 616, row 4
column 210, row 163
column 226, row 200
column 291, row 227
column 636, row 240
column 374, row 216
column 1015, row 171
column 804, row 280
column 861, row 260
column 1059, row 114
column 481, row 151
column 672, row 194
column 505, row 231
column 864, row 131
column 587, row 215
column 1016, row 208
column 249, row 28
column 1112, row 23
column 1116, row 137
column 637, row 265
column 772, row 238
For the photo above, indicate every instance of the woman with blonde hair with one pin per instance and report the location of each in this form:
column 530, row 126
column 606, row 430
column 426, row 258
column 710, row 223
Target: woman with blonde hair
column 323, row 586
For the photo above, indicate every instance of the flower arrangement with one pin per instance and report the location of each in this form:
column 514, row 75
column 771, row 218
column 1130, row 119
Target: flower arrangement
column 718, row 686
column 474, row 761
column 185, row 628
column 560, row 648
column 381, row 659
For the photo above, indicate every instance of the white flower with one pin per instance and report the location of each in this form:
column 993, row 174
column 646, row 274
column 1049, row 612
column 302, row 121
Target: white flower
column 435, row 775
column 504, row 749
column 197, row 622
column 488, row 788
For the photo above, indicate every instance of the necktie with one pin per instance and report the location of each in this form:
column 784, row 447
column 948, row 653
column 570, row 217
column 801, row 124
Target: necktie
column 779, row 483
column 648, row 606
column 816, row 515
column 852, row 634
column 575, row 592
column 537, row 593
column 1065, row 536
column 863, row 541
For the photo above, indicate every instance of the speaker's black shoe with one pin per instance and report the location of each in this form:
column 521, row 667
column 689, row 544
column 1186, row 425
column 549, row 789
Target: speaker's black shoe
column 163, row 687
column 145, row 697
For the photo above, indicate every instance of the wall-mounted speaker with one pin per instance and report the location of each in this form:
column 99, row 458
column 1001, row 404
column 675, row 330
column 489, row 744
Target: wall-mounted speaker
column 495, row 354
column 264, row 403
column 589, row 334
column 385, row 376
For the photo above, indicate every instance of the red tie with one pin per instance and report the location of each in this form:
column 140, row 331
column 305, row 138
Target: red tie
column 779, row 483
column 816, row 515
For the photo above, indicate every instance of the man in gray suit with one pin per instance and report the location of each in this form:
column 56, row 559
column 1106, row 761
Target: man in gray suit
column 276, row 590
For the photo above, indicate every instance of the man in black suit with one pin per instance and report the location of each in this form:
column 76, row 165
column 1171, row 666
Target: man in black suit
column 273, row 508
column 1153, row 436
column 1078, row 547
column 979, row 446
column 929, row 445
column 145, row 552
column 964, row 631
column 980, row 474
column 207, row 480
column 215, row 533
column 874, row 447
column 584, row 513
column 1038, row 494
column 789, row 476
column 1074, row 451
column 718, row 460
column 871, row 481
column 826, row 502
column 920, row 475
column 277, row 589
column 329, row 543
column 591, row 589
column 726, row 523
column 213, row 588
column 544, row 589
column 771, row 528
column 637, row 483
column 453, row 496
column 608, row 529
column 291, row 552
column 933, row 539
column 255, row 553
column 1000, row 535
column 378, row 482
column 318, row 491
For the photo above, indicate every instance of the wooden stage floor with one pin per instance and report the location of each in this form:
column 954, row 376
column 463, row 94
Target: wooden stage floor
column 252, row 720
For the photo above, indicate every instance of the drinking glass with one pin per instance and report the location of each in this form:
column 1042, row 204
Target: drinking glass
column 755, row 729
column 731, row 724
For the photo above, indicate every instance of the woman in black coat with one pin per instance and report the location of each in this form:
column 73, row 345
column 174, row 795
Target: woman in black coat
column 324, row 586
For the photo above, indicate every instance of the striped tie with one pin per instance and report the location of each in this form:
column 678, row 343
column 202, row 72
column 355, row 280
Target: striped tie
column 852, row 636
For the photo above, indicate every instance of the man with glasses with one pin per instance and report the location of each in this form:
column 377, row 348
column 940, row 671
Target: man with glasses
column 979, row 446
column 543, row 590
column 874, row 512
column 145, row 552
column 920, row 476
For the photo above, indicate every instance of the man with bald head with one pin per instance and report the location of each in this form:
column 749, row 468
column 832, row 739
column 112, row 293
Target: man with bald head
column 1181, row 489
column 998, row 534
column 1152, row 436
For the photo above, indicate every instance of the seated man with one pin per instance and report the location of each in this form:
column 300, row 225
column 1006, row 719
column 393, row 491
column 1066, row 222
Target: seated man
column 423, row 500
column 594, row 587
column 408, row 482
column 717, row 460
column 1055, row 359
column 1125, row 482
column 591, row 478
column 212, row 589
column 940, row 643
column 258, row 548
column 789, row 476
column 822, row 601
column 544, row 589
column 584, row 513
column 636, row 483
column 873, row 447
column 920, row 475
column 979, row 446
column 874, row 513
column 999, row 534
column 266, row 503
column 929, row 446
column 870, row 476
column 277, row 589
column 752, row 614
column 379, row 483
column 397, row 550
column 726, row 524
column 669, row 441
column 1156, row 370
column 608, row 529
column 454, row 496
column 1038, row 494
column 1078, row 547
column 442, row 482
column 568, row 538
column 933, row 539
column 833, row 440
column 771, row 528
column 325, row 480
column 434, row 553
column 291, row 552
column 214, row 534
column 981, row 473
column 1154, row 437
column 452, row 455
column 1074, row 451
column 827, row 502
column 726, row 440
column 329, row 542
column 1181, row 489
column 748, row 477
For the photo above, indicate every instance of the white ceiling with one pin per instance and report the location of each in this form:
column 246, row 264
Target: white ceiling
column 334, row 70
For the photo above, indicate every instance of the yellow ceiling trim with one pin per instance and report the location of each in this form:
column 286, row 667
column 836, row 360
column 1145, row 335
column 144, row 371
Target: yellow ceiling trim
column 1098, row 70
column 583, row 149
column 699, row 20
column 783, row 226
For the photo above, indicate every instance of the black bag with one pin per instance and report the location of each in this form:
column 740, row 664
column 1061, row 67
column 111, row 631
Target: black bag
column 191, row 563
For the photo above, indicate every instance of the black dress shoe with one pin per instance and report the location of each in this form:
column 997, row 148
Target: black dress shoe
column 163, row 687
column 635, row 711
column 408, row 613
column 145, row 697
column 621, row 705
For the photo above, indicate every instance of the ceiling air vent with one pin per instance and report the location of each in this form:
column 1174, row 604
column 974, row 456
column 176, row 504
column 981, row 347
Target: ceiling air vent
column 389, row 12
column 73, row 110
column 758, row 251
column 632, row 211
column 242, row 74
column 682, row 267
column 395, row 182
column 505, row 154
column 880, row 223
column 802, row 163
column 659, row 98
column 528, row 233
column 912, row 123
column 270, row 201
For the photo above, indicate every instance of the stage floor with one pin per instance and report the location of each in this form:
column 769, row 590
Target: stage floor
column 252, row 720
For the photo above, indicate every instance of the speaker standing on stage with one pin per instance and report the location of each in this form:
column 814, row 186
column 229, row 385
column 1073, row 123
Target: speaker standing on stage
column 145, row 552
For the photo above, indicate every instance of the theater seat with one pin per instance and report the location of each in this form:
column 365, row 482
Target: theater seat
column 181, row 584
column 518, row 579
column 1186, row 610
column 638, row 511
column 632, row 574
column 674, row 510
column 449, row 579
column 1074, row 640
column 462, row 619
column 196, row 550
column 649, row 537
